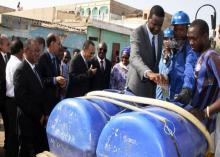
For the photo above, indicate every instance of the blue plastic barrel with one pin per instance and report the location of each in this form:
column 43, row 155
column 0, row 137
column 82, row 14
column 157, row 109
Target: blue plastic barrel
column 75, row 124
column 136, row 134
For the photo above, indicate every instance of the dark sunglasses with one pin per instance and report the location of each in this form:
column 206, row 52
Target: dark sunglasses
column 102, row 49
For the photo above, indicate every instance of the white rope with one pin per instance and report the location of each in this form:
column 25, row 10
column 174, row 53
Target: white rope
column 159, row 103
column 119, row 103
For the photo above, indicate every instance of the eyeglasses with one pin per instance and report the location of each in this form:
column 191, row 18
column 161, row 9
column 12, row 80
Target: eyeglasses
column 102, row 49
column 34, row 50
column 67, row 57
column 58, row 43
column 92, row 53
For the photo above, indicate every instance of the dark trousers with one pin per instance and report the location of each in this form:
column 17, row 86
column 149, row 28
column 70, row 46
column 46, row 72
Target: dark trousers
column 2, row 111
column 11, row 131
column 32, row 145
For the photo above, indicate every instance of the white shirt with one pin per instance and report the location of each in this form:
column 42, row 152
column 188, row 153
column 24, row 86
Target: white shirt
column 104, row 64
column 155, row 39
column 11, row 67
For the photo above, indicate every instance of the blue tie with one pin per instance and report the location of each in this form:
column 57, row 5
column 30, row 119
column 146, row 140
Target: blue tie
column 54, row 65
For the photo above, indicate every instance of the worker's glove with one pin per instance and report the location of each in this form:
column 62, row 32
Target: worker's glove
column 198, row 113
column 184, row 97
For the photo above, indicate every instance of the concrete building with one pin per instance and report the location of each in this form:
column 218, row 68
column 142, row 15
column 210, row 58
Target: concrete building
column 98, row 20
column 116, row 37
column 4, row 9
column 24, row 28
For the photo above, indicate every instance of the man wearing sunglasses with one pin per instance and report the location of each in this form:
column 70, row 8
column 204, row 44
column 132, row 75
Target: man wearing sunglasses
column 80, row 72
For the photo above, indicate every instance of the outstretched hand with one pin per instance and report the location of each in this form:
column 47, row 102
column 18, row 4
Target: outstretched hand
column 157, row 78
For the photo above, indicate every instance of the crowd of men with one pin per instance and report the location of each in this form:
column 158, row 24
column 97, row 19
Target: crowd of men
column 190, row 74
column 36, row 75
column 33, row 81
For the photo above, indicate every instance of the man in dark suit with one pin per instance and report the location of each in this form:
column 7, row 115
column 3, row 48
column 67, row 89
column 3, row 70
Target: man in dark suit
column 11, row 105
column 30, row 97
column 4, row 57
column 80, row 74
column 101, row 79
column 146, row 47
column 49, row 69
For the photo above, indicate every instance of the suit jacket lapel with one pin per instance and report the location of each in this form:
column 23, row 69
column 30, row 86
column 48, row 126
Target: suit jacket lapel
column 31, row 73
column 97, row 63
column 146, row 35
column 2, row 61
column 82, row 61
column 160, row 42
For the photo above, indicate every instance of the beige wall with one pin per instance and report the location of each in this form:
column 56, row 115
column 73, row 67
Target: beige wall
column 5, row 9
column 44, row 14
column 63, row 15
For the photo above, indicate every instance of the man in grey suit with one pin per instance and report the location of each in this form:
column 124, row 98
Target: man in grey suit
column 146, row 47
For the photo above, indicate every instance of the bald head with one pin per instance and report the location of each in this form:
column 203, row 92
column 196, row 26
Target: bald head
column 102, row 50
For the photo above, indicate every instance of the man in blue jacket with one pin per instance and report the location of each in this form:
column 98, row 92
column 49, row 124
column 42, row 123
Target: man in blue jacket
column 181, row 76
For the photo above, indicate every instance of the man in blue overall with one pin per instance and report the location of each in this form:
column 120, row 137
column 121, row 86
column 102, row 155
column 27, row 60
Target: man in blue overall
column 181, row 76
column 165, row 62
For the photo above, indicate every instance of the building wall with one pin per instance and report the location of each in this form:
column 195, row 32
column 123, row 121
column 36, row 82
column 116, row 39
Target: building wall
column 71, row 40
column 15, row 32
column 63, row 15
column 44, row 14
column 109, row 37
column 4, row 9
column 74, row 40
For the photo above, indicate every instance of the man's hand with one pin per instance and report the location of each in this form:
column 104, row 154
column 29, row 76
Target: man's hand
column 184, row 97
column 61, row 81
column 45, row 120
column 157, row 78
column 93, row 70
column 152, row 76
column 198, row 114
column 42, row 120
column 163, row 81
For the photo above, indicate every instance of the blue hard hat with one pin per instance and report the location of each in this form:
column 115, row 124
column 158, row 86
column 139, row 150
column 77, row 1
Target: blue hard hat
column 180, row 18
column 126, row 50
column 168, row 33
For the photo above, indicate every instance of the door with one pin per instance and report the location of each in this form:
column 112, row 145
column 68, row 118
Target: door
column 115, row 53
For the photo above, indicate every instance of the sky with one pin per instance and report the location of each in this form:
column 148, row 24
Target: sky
column 170, row 6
